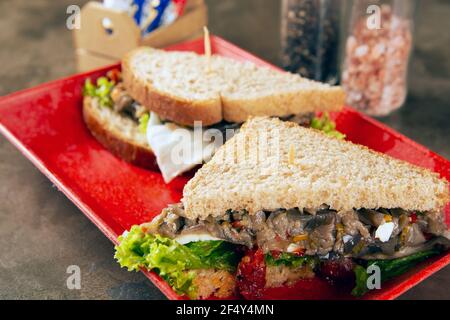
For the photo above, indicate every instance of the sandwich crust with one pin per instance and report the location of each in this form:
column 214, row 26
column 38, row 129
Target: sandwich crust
column 118, row 134
column 324, row 170
column 327, row 99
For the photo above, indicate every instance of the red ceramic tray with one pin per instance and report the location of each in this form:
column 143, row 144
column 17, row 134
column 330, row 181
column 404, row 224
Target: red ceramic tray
column 45, row 124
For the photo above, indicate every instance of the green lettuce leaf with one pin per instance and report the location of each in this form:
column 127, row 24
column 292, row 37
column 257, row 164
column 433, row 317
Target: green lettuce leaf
column 361, row 277
column 101, row 91
column 143, row 122
column 89, row 88
column 218, row 254
column 291, row 260
column 389, row 269
column 325, row 124
column 174, row 262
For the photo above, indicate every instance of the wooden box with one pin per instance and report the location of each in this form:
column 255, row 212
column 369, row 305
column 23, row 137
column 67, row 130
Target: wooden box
column 97, row 46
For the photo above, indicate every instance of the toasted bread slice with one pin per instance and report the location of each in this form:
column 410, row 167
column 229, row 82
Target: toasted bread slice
column 256, row 91
column 184, row 87
column 173, row 85
column 214, row 283
column 272, row 164
column 118, row 134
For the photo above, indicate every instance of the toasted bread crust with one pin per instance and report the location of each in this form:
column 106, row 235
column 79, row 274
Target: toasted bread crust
column 324, row 171
column 176, row 109
column 240, row 110
column 214, row 283
column 112, row 140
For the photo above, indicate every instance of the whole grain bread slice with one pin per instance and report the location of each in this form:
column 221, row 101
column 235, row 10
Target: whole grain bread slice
column 184, row 87
column 272, row 164
column 118, row 134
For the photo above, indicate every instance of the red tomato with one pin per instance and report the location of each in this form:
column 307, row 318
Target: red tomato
column 251, row 275
column 337, row 270
column 275, row 253
column 300, row 252
column 114, row 75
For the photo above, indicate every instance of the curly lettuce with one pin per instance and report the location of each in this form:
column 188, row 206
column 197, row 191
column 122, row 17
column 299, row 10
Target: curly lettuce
column 174, row 262
column 291, row 260
column 388, row 268
column 101, row 90
column 325, row 124
column 143, row 122
column 218, row 254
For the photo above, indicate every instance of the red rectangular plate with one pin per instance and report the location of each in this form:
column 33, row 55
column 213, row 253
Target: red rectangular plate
column 46, row 125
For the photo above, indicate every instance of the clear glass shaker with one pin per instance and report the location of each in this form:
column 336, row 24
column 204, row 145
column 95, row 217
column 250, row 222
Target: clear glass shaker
column 376, row 55
column 310, row 31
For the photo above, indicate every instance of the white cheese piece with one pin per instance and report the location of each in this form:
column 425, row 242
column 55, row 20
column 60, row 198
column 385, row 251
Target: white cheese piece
column 293, row 247
column 347, row 238
column 384, row 231
column 194, row 237
column 178, row 149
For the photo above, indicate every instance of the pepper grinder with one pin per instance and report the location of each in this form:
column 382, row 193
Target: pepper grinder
column 310, row 32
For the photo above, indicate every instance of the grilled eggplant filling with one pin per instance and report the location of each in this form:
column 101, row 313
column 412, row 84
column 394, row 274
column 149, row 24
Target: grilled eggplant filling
column 125, row 105
column 323, row 232
column 280, row 247
column 244, row 254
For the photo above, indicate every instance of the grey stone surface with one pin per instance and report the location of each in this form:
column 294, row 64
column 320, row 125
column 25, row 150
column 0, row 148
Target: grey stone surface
column 42, row 232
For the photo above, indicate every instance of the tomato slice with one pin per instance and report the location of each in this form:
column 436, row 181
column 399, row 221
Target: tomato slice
column 251, row 275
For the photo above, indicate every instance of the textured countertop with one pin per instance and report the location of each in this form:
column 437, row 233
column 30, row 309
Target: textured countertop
column 42, row 232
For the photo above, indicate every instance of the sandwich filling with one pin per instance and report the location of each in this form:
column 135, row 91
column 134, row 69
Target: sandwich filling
column 323, row 232
column 280, row 247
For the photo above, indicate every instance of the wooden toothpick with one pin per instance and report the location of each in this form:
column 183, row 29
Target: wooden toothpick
column 207, row 45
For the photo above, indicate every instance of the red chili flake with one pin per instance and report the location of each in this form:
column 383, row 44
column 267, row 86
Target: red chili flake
column 413, row 217
column 251, row 275
column 236, row 224
column 300, row 252
column 275, row 253
column 114, row 75
column 338, row 270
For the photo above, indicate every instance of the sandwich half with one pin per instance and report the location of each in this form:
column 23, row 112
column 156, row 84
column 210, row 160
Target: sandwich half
column 279, row 203
column 184, row 87
column 160, row 93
